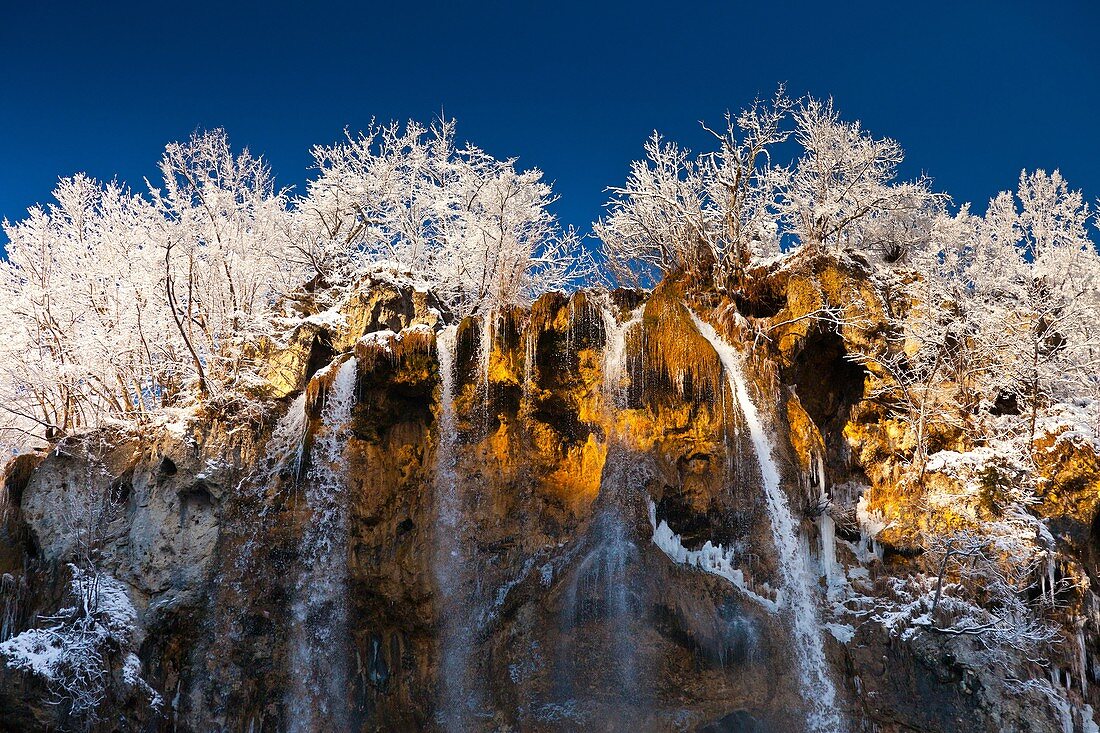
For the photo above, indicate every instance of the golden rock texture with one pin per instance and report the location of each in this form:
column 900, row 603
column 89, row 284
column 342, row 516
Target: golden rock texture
column 569, row 616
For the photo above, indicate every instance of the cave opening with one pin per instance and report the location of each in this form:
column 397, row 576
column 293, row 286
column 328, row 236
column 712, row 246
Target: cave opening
column 828, row 384
column 760, row 300
column 321, row 355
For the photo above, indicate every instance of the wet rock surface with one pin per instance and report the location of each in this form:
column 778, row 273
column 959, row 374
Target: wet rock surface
column 572, row 617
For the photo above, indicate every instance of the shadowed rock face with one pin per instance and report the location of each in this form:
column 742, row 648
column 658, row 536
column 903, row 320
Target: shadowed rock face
column 572, row 618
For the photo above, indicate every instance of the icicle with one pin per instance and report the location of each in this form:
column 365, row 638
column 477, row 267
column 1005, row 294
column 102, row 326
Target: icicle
column 1088, row 720
column 817, row 688
column 712, row 558
column 11, row 590
column 1065, row 712
column 614, row 357
column 528, row 360
column 826, row 527
column 1050, row 576
column 1082, row 659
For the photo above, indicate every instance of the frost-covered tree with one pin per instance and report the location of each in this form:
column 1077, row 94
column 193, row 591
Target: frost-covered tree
column 85, row 653
column 713, row 214
column 114, row 305
column 997, row 310
column 707, row 215
column 80, row 311
column 1030, row 290
column 222, row 233
column 661, row 221
column 1053, row 335
column 472, row 226
column 841, row 190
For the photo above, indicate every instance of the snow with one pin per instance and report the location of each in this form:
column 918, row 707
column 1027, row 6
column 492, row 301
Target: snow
column 843, row 633
column 1076, row 422
column 39, row 651
column 713, row 559
column 416, row 329
column 381, row 340
column 384, row 339
column 71, row 652
column 329, row 319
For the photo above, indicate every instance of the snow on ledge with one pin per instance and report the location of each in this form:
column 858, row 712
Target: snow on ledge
column 713, row 559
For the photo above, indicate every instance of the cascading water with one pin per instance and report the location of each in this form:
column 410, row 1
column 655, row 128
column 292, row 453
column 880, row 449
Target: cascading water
column 458, row 698
column 287, row 444
column 485, row 349
column 318, row 662
column 600, row 589
column 614, row 354
column 797, row 598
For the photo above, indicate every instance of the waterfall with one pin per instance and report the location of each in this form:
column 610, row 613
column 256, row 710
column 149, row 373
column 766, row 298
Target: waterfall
column 485, row 349
column 530, row 345
column 287, row 443
column 614, row 354
column 797, row 597
column 317, row 698
column 599, row 592
column 457, row 696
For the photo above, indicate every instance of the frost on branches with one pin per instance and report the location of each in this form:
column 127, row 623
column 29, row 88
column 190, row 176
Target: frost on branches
column 85, row 653
column 715, row 214
column 115, row 305
column 473, row 226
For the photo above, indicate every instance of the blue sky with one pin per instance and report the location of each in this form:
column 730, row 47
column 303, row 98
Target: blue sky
column 974, row 91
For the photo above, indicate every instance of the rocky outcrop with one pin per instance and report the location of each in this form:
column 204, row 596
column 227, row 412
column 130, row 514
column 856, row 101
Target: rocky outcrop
column 581, row 425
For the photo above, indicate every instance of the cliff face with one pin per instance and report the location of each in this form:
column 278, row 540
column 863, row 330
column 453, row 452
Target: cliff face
column 503, row 524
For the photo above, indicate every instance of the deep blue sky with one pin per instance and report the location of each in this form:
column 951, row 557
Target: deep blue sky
column 974, row 91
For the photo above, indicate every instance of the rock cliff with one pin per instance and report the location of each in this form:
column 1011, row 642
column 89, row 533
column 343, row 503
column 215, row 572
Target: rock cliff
column 555, row 519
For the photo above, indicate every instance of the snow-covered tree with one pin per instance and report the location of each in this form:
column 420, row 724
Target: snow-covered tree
column 79, row 310
column 114, row 305
column 85, row 653
column 841, row 190
column 1033, row 282
column 660, row 222
column 223, row 237
column 707, row 215
column 713, row 214
column 474, row 227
